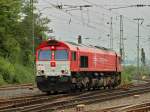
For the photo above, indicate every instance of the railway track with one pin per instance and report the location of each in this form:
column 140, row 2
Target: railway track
column 56, row 102
column 17, row 86
column 16, row 90
column 29, row 100
column 142, row 107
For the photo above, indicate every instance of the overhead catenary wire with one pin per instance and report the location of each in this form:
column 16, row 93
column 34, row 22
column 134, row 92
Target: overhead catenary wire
column 78, row 19
column 89, row 26
column 115, row 13
column 92, row 27
column 93, row 24
column 65, row 12
column 101, row 6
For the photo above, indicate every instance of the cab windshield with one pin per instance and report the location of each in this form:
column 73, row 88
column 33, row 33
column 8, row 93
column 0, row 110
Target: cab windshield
column 44, row 55
column 61, row 55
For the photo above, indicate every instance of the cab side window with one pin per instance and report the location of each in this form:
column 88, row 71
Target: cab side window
column 84, row 61
column 73, row 56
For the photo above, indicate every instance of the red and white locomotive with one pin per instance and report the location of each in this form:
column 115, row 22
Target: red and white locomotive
column 62, row 66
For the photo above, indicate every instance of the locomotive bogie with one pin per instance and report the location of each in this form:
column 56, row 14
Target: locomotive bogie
column 82, row 82
column 53, row 83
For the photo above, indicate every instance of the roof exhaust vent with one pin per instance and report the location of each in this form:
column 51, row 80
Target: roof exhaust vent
column 79, row 39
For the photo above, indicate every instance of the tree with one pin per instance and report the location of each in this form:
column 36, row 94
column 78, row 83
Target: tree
column 16, row 42
column 8, row 20
column 24, row 29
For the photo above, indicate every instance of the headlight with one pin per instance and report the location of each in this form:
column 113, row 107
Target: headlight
column 40, row 72
column 66, row 71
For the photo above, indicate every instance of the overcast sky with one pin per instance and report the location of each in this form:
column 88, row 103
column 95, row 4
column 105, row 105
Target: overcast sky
column 92, row 22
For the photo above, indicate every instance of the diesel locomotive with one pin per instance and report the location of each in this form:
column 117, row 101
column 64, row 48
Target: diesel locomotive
column 64, row 66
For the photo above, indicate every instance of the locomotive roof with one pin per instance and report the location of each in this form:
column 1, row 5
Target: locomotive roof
column 89, row 46
column 82, row 47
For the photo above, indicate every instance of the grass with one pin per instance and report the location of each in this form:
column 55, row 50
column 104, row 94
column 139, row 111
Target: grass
column 130, row 72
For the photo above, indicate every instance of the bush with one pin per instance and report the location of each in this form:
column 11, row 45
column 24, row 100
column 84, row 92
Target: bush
column 14, row 73
column 7, row 70
column 2, row 82
column 127, row 73
column 23, row 74
column 130, row 72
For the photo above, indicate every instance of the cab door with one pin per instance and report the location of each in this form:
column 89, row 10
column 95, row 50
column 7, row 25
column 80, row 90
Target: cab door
column 74, row 62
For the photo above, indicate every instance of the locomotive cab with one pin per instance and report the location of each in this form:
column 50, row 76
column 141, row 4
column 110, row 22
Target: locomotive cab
column 53, row 66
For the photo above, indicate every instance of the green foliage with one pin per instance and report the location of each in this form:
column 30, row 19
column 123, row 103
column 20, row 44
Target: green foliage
column 145, row 71
column 16, row 40
column 127, row 73
column 15, row 73
column 2, row 82
column 130, row 72
column 23, row 74
column 7, row 70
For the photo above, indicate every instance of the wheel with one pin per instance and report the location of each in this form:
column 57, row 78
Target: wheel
column 109, row 86
column 73, row 87
column 52, row 92
column 113, row 86
column 48, row 92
